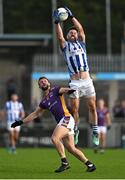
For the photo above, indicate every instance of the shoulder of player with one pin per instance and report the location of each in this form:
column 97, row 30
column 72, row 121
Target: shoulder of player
column 81, row 42
column 63, row 49
column 54, row 88
column 7, row 104
column 106, row 110
column 20, row 103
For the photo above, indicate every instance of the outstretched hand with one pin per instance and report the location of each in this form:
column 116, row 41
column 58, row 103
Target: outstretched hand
column 69, row 12
column 71, row 91
column 17, row 123
column 56, row 16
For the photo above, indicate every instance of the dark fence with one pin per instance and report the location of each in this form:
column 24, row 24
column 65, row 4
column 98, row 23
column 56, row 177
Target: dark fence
column 38, row 137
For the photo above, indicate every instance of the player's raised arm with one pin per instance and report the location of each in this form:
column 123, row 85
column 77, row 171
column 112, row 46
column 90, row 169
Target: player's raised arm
column 77, row 25
column 59, row 31
column 29, row 118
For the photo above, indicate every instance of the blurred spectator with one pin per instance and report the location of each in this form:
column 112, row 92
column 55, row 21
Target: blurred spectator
column 122, row 109
column 117, row 109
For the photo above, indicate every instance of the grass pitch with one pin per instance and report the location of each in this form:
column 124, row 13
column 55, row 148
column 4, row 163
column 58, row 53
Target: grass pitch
column 33, row 163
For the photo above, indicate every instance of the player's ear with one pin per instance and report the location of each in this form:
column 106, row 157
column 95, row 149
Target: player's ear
column 49, row 84
column 38, row 84
column 67, row 36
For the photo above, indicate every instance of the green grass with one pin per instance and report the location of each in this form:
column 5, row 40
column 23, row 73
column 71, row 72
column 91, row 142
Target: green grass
column 33, row 163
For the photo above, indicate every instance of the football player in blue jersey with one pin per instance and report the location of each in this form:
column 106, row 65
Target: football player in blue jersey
column 14, row 110
column 74, row 50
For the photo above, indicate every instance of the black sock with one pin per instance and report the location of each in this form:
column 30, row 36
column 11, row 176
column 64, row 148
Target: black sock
column 76, row 128
column 88, row 163
column 95, row 129
column 64, row 161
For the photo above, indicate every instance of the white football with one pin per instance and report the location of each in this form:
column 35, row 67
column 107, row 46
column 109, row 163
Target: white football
column 63, row 14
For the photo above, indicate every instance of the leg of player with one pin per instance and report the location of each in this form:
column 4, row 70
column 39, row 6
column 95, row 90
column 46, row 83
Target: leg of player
column 16, row 135
column 96, row 148
column 75, row 112
column 12, row 141
column 57, row 136
column 91, row 102
column 102, row 142
column 70, row 146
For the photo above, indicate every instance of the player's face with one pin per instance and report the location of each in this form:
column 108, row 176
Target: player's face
column 123, row 103
column 72, row 35
column 14, row 97
column 44, row 84
column 101, row 103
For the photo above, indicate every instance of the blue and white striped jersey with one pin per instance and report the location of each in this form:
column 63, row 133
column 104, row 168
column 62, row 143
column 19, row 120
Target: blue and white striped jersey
column 13, row 110
column 75, row 56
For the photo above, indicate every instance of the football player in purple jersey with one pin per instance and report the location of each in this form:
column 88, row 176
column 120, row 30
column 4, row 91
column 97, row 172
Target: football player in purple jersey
column 104, row 123
column 63, row 134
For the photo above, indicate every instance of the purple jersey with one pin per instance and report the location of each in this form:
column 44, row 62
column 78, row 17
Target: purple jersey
column 55, row 103
column 101, row 113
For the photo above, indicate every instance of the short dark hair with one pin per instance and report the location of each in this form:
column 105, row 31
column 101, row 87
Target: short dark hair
column 14, row 93
column 43, row 77
column 72, row 28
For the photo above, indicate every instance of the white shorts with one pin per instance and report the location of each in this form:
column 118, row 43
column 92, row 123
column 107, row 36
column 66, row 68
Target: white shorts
column 102, row 129
column 68, row 122
column 13, row 129
column 83, row 87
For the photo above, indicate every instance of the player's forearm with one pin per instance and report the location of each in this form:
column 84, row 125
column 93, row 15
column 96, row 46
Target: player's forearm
column 22, row 115
column 66, row 90
column 60, row 36
column 59, row 31
column 108, row 120
column 77, row 24
column 30, row 117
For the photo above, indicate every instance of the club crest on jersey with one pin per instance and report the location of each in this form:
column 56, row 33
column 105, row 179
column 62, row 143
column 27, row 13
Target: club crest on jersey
column 48, row 103
column 51, row 94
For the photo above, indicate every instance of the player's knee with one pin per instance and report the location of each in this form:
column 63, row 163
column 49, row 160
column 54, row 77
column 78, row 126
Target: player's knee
column 54, row 139
column 92, row 108
column 71, row 149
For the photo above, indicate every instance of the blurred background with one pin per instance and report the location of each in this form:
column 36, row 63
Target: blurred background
column 29, row 49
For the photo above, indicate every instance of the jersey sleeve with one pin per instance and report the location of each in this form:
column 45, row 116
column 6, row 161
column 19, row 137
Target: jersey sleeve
column 21, row 107
column 42, row 105
column 83, row 44
column 56, row 90
column 106, row 111
column 6, row 106
column 65, row 46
